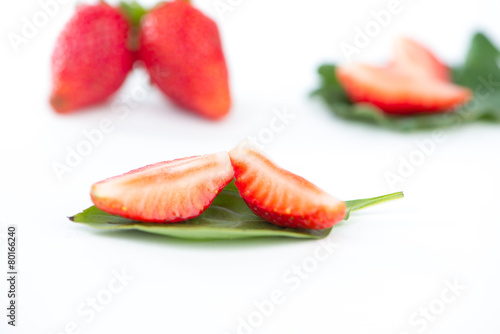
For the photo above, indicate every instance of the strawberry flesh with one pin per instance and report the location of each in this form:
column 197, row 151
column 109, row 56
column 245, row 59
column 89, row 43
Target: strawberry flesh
column 398, row 92
column 414, row 82
column 279, row 196
column 412, row 57
column 165, row 192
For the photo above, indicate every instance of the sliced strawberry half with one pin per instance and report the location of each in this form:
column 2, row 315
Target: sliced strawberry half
column 399, row 92
column 413, row 58
column 279, row 196
column 165, row 192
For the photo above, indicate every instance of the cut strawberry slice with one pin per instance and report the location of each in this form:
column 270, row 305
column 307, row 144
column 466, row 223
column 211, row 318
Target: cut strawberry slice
column 279, row 196
column 165, row 192
column 416, row 60
column 398, row 92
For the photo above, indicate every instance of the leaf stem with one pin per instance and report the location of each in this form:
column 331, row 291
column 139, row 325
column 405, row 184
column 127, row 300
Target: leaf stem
column 359, row 204
column 133, row 11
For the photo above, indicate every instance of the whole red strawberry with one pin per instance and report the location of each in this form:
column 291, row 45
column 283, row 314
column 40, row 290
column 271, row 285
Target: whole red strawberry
column 91, row 58
column 182, row 51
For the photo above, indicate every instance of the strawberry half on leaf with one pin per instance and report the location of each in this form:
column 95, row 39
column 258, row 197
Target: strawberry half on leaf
column 279, row 196
column 398, row 92
column 165, row 192
column 415, row 82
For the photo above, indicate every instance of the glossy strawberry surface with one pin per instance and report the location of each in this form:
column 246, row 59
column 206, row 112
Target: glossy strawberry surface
column 91, row 58
column 182, row 51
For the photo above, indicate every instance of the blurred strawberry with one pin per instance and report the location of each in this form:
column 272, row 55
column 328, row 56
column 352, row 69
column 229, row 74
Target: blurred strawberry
column 414, row 58
column 182, row 51
column 398, row 92
column 91, row 58
column 414, row 82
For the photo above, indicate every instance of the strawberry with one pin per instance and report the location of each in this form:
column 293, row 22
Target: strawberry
column 91, row 59
column 414, row 58
column 182, row 52
column 165, row 192
column 397, row 91
column 279, row 196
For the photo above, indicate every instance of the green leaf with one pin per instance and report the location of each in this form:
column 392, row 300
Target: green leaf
column 227, row 218
column 480, row 73
column 359, row 204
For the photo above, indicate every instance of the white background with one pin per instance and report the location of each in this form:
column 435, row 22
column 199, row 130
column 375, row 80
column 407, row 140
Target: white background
column 389, row 261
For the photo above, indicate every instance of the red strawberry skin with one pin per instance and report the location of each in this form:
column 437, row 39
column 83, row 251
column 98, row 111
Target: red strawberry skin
column 91, row 58
column 165, row 192
column 182, row 51
column 279, row 196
